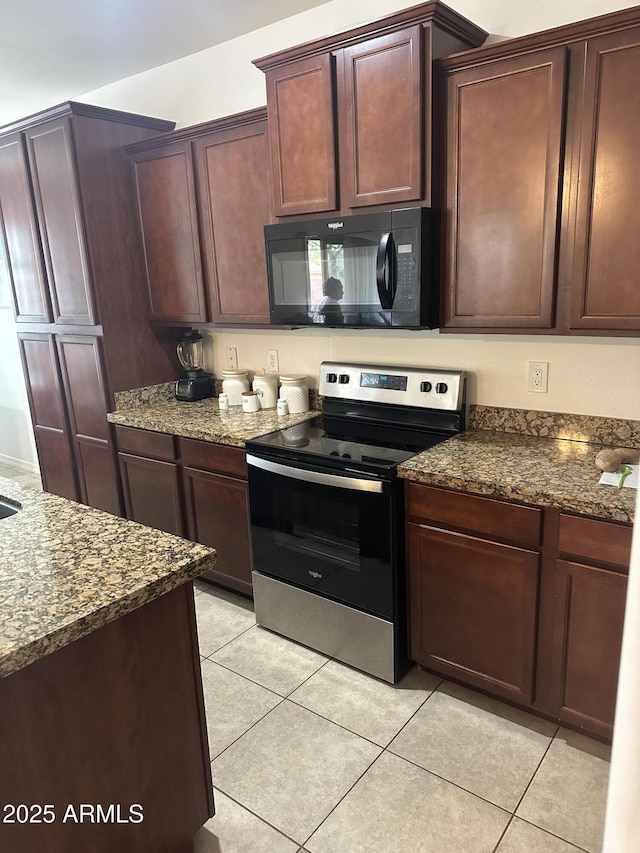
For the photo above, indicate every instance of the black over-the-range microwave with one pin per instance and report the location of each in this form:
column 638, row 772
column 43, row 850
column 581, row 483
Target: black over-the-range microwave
column 364, row 270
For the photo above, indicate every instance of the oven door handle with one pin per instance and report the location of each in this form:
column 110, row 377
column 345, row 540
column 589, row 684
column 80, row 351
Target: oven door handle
column 353, row 483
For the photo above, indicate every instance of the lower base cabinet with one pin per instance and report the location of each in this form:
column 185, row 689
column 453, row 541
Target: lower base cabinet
column 479, row 611
column 191, row 488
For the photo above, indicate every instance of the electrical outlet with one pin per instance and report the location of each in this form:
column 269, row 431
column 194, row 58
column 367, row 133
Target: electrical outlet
column 231, row 358
column 538, row 376
column 272, row 361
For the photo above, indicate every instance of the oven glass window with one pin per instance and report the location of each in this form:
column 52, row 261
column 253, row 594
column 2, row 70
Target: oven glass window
column 334, row 542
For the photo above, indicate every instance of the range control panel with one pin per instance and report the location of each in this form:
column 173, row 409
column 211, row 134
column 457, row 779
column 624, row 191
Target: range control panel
column 424, row 387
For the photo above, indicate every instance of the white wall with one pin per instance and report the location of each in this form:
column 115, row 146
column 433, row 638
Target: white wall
column 586, row 375
column 17, row 446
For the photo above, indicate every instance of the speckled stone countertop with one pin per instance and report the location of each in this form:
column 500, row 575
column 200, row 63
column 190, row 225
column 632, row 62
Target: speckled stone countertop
column 544, row 472
column 205, row 421
column 67, row 570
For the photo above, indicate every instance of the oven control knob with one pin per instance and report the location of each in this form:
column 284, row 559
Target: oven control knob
column 442, row 388
column 425, row 387
column 344, row 378
column 331, row 377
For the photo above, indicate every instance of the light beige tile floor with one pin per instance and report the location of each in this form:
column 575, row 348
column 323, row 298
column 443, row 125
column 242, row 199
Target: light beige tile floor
column 328, row 760
column 25, row 478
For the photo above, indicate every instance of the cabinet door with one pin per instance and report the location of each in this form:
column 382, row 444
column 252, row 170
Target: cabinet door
column 380, row 117
column 504, row 157
column 472, row 607
column 234, row 192
column 81, row 363
column 218, row 515
column 589, row 617
column 152, row 493
column 60, row 216
column 301, row 135
column 20, row 234
column 165, row 192
column 49, row 415
column 607, row 250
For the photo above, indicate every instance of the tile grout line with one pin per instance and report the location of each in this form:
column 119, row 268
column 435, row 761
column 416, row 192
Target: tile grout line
column 533, row 775
column 256, row 815
column 504, row 832
column 346, row 794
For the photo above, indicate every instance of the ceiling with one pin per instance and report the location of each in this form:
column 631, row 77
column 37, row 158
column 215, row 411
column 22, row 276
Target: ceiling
column 56, row 50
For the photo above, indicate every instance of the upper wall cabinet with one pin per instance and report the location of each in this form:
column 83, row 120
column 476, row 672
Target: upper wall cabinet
column 350, row 115
column 542, row 221
column 203, row 199
column 504, row 156
column 607, row 249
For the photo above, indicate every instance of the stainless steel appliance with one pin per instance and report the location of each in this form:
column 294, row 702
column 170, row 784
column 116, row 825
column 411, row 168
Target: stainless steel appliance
column 370, row 269
column 196, row 384
column 327, row 516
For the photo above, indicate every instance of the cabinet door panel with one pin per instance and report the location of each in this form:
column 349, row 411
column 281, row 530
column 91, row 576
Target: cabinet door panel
column 165, row 188
column 381, row 120
column 49, row 416
column 473, row 610
column 218, row 515
column 235, row 195
column 152, row 493
column 607, row 253
column 55, row 186
column 20, row 232
column 301, row 135
column 81, row 363
column 590, row 606
column 504, row 147
column 99, row 482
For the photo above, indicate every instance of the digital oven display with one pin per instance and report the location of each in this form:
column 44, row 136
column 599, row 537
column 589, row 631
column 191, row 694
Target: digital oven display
column 383, row 380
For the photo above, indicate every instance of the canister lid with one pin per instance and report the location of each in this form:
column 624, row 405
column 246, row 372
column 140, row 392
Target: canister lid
column 238, row 372
column 293, row 377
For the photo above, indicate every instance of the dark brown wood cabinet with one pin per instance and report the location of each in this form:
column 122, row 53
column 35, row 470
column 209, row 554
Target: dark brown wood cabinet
column 504, row 158
column 605, row 294
column 203, row 198
column 150, row 479
column 380, row 116
column 49, row 414
column 234, row 193
column 192, row 488
column 526, row 604
column 472, row 602
column 539, row 159
column 350, row 115
column 166, row 206
column 590, row 599
column 217, row 508
column 68, row 224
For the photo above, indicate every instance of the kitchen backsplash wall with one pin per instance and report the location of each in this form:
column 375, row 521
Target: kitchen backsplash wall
column 586, row 376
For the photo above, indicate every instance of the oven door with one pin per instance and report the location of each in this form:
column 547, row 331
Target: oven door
column 329, row 533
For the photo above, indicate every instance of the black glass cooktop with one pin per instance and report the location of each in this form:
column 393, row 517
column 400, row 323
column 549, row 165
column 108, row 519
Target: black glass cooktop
column 310, row 444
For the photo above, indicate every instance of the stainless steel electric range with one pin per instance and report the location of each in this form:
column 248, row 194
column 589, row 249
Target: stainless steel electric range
column 326, row 506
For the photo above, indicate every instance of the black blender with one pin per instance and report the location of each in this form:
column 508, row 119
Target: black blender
column 197, row 383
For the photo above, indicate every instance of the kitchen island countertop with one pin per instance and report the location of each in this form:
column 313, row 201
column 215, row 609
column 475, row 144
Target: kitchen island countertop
column 539, row 471
column 203, row 420
column 68, row 570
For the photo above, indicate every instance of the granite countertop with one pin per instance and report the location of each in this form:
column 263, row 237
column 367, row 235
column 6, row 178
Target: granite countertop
column 546, row 472
column 202, row 419
column 67, row 570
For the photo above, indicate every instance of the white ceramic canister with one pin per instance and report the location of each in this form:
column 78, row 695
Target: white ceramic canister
column 266, row 387
column 234, row 382
column 295, row 391
column 250, row 401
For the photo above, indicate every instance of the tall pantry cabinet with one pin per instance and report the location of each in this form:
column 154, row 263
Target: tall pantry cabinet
column 70, row 238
